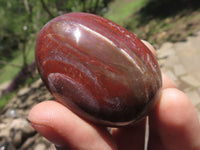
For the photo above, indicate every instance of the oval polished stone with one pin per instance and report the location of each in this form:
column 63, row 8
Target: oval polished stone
column 98, row 69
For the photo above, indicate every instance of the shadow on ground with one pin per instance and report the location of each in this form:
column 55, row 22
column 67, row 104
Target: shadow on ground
column 162, row 9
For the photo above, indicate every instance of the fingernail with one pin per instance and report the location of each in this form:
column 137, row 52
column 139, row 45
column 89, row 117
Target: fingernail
column 28, row 120
column 33, row 124
column 62, row 147
column 49, row 133
column 59, row 148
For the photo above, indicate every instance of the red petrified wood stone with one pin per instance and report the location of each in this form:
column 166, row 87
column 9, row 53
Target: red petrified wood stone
column 98, row 69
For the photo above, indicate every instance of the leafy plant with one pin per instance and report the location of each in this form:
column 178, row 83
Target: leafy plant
column 4, row 99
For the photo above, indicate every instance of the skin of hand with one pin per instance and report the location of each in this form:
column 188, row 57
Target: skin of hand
column 173, row 125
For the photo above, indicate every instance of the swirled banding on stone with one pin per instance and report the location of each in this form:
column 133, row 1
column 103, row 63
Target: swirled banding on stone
column 98, row 69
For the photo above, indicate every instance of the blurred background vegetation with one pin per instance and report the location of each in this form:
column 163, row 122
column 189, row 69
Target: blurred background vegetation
column 21, row 20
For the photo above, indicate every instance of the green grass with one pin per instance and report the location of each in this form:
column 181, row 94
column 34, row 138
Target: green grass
column 4, row 99
column 8, row 72
column 124, row 10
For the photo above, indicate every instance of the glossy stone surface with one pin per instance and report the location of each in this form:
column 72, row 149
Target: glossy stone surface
column 98, row 69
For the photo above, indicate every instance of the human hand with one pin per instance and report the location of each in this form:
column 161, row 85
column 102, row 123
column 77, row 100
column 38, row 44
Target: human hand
column 173, row 125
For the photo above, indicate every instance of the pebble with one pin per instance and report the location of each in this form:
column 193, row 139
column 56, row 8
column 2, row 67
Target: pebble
column 190, row 80
column 40, row 146
column 37, row 84
column 17, row 138
column 179, row 69
column 23, row 91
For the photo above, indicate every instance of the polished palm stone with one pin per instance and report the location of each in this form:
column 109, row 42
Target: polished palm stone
column 98, row 69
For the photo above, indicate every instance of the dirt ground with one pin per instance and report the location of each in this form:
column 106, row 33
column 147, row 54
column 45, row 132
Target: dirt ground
column 176, row 29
